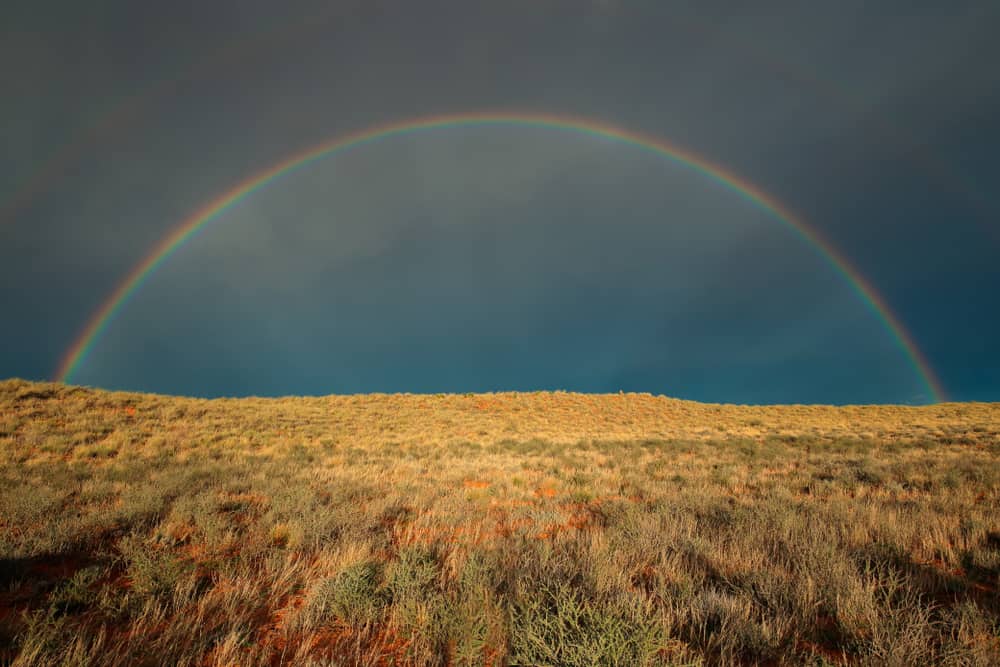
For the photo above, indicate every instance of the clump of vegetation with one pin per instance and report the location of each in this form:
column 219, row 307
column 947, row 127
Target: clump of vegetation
column 355, row 596
column 494, row 529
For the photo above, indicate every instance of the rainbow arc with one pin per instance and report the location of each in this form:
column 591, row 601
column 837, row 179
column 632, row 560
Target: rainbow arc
column 187, row 229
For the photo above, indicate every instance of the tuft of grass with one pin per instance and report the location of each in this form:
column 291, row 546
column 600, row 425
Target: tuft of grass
column 554, row 624
column 78, row 593
column 153, row 572
column 355, row 596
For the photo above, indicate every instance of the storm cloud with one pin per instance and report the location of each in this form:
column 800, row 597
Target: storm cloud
column 497, row 257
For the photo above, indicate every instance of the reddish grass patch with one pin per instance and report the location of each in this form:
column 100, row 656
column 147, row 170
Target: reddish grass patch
column 385, row 647
column 271, row 636
column 828, row 653
column 57, row 569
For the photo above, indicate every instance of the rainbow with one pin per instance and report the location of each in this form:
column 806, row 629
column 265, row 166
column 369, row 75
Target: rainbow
column 187, row 229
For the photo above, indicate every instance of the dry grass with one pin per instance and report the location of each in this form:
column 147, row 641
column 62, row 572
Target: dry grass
column 501, row 529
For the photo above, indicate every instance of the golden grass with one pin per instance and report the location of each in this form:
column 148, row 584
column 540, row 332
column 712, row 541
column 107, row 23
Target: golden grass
column 511, row 528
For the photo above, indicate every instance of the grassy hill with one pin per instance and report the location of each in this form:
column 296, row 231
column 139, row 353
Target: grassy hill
column 494, row 529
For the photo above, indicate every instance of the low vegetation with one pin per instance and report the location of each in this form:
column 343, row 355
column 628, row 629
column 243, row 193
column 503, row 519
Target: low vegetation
column 500, row 529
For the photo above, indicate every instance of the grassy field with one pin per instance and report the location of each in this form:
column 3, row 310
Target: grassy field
column 494, row 529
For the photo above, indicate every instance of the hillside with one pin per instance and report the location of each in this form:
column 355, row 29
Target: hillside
column 510, row 528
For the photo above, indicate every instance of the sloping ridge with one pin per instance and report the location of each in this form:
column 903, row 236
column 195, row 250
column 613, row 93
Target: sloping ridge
column 489, row 418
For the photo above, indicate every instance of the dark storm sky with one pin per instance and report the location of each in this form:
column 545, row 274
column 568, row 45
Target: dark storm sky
column 504, row 258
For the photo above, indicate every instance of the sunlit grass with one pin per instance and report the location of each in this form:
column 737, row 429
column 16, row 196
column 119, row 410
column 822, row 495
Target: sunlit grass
column 544, row 528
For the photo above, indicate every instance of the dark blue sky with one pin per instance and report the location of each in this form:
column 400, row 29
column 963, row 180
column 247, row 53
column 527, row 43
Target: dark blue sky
column 495, row 258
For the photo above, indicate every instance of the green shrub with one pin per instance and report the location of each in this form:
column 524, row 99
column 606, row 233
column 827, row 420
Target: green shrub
column 555, row 625
column 354, row 596
column 413, row 576
column 153, row 572
column 78, row 592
